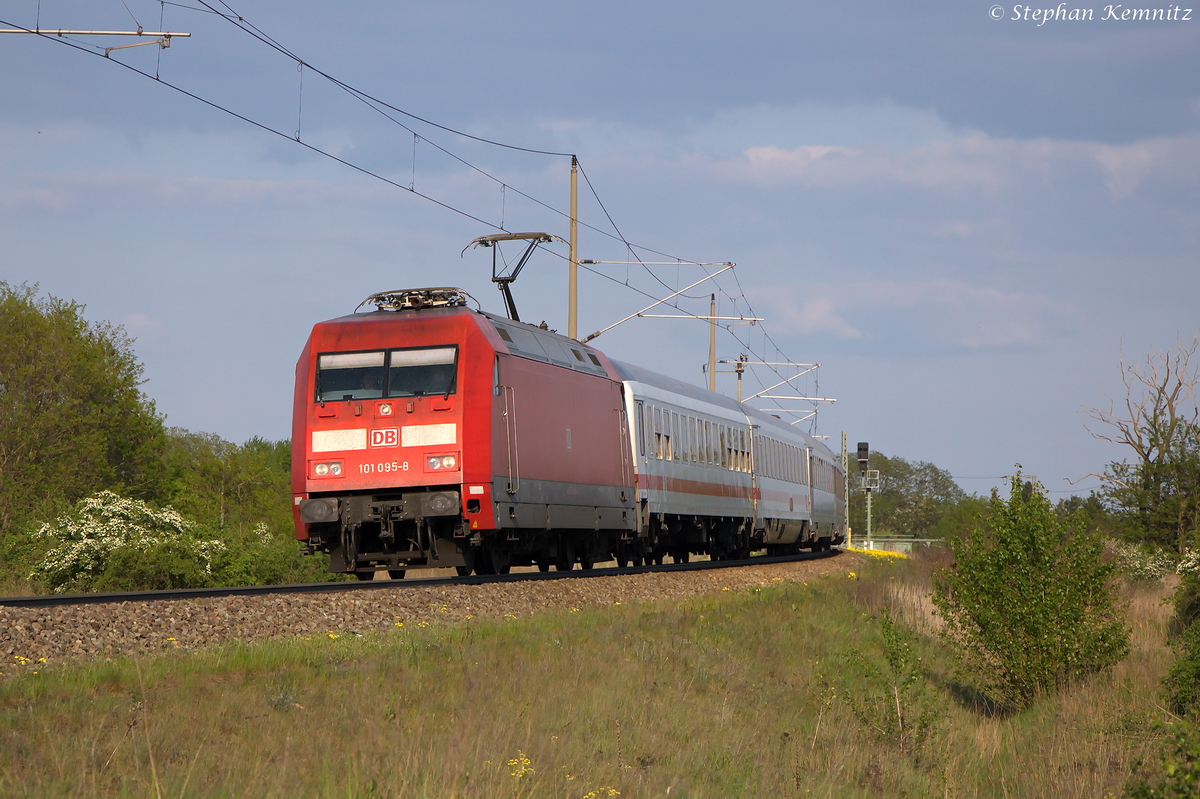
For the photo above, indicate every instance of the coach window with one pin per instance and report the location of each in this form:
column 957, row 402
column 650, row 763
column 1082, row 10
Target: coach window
column 424, row 372
column 350, row 375
column 658, row 433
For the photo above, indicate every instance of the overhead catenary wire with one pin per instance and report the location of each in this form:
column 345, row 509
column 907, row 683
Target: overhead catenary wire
column 383, row 107
column 265, row 127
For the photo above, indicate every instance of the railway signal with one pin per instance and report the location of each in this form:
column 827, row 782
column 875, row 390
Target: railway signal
column 869, row 481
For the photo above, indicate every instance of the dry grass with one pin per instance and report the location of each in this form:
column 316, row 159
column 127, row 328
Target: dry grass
column 738, row 695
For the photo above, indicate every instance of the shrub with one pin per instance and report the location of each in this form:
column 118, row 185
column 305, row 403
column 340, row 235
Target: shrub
column 1179, row 768
column 1029, row 602
column 112, row 543
column 1182, row 683
column 896, row 705
column 1142, row 564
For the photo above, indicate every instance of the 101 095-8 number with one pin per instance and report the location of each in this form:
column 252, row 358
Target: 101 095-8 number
column 380, row 468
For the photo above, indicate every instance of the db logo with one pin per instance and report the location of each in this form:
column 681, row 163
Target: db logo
column 388, row 437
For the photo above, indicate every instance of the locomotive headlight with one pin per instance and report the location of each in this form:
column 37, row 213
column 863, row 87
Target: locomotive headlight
column 441, row 463
column 385, row 409
column 328, row 469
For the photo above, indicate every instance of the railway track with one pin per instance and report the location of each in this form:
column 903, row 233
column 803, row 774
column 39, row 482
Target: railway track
column 58, row 600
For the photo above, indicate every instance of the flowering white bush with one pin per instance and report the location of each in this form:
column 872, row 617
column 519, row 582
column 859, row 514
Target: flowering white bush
column 1142, row 565
column 1190, row 563
column 105, row 524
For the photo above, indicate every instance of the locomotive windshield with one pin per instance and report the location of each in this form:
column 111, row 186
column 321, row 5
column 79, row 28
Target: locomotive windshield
column 350, row 375
column 418, row 373
column 399, row 373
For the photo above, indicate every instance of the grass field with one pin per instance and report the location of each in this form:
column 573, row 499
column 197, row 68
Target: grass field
column 746, row 693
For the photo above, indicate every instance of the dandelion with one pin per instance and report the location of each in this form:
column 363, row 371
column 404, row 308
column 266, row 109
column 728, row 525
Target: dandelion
column 521, row 765
column 616, row 603
column 442, row 609
column 333, row 635
column 574, row 610
column 726, row 588
column 422, row 623
column 399, row 624
column 41, row 660
column 852, row 576
column 510, row 615
column 470, row 616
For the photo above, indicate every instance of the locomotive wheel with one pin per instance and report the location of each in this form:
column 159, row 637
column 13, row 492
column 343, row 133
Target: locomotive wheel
column 622, row 561
column 682, row 556
column 543, row 564
column 492, row 561
column 586, row 562
column 566, row 556
column 364, row 576
column 463, row 571
column 396, row 574
column 637, row 560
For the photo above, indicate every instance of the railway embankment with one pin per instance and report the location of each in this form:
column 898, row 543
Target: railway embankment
column 45, row 636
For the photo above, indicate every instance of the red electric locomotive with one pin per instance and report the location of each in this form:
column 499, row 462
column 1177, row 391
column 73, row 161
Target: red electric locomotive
column 429, row 434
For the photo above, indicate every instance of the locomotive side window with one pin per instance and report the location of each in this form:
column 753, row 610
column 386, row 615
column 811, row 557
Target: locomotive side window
column 423, row 372
column 350, row 375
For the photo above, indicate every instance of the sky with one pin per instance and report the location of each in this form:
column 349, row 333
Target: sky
column 967, row 213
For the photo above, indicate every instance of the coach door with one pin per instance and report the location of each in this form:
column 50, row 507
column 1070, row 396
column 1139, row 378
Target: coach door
column 754, row 468
column 812, row 508
column 507, row 396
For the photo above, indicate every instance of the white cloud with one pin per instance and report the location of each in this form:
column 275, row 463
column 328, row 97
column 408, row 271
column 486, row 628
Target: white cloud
column 973, row 162
column 937, row 313
column 817, row 315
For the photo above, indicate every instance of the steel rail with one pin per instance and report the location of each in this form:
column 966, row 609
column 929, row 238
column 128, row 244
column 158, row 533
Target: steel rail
column 54, row 600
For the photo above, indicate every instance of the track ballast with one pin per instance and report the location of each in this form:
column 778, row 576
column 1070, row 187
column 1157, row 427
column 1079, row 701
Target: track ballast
column 57, row 600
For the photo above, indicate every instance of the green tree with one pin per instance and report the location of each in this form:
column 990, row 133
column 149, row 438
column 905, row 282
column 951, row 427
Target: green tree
column 1156, row 497
column 911, row 499
column 229, row 487
column 73, row 419
column 1029, row 602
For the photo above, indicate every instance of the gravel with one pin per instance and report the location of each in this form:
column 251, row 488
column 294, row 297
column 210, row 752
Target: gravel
column 72, row 633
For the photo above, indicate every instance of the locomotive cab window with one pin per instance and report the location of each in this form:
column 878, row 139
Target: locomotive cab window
column 350, row 375
column 421, row 373
column 372, row 375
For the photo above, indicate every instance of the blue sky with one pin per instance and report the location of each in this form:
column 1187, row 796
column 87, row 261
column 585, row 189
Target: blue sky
column 965, row 220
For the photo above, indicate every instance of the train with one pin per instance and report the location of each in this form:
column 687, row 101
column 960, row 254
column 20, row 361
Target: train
column 427, row 433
